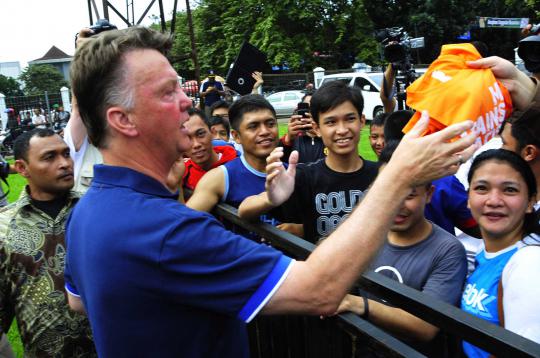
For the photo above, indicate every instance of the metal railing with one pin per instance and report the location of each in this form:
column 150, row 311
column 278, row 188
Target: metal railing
column 348, row 335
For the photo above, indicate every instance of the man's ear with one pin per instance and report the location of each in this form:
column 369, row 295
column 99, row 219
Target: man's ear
column 121, row 122
column 363, row 120
column 21, row 167
column 429, row 193
column 530, row 153
column 236, row 136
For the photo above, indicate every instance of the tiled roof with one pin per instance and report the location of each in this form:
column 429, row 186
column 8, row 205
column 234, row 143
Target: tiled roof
column 53, row 54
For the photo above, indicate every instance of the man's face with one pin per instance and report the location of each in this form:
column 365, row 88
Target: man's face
column 376, row 139
column 161, row 106
column 258, row 133
column 201, row 141
column 340, row 128
column 221, row 112
column 48, row 167
column 509, row 141
column 220, row 132
column 411, row 212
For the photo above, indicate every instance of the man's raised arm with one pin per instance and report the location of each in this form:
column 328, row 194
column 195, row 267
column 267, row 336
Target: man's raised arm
column 317, row 285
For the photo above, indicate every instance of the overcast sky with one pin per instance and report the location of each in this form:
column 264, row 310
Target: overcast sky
column 29, row 28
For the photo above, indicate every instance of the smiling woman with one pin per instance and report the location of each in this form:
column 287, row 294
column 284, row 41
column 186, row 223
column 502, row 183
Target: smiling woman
column 503, row 287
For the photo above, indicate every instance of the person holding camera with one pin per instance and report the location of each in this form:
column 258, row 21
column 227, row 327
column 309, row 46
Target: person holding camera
column 303, row 135
column 212, row 91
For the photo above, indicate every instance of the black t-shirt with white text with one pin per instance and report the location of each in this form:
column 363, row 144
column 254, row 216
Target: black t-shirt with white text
column 323, row 198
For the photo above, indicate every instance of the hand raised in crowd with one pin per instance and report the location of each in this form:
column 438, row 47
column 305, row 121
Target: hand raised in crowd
column 280, row 181
column 258, row 77
column 431, row 157
column 83, row 36
column 521, row 87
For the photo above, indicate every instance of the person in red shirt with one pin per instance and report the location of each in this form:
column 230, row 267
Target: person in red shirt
column 202, row 155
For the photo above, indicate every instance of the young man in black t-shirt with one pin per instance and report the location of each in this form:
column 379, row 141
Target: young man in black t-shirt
column 321, row 195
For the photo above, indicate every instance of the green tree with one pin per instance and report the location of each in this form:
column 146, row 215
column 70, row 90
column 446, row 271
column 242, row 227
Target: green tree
column 300, row 33
column 41, row 78
column 9, row 86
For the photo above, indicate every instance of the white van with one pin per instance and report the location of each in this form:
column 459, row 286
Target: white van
column 368, row 82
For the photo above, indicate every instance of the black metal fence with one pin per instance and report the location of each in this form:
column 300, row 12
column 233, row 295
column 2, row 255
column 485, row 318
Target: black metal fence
column 348, row 335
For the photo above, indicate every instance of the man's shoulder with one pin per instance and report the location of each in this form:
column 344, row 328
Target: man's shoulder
column 442, row 239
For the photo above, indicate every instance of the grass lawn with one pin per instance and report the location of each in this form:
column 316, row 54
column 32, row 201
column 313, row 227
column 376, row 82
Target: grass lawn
column 364, row 149
column 16, row 184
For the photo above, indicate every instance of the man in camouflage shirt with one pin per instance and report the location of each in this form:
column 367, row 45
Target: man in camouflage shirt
column 32, row 252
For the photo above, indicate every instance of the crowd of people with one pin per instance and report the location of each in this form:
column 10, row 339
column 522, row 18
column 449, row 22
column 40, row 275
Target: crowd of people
column 111, row 250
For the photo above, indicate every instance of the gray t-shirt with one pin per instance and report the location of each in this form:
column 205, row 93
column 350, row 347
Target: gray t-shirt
column 436, row 266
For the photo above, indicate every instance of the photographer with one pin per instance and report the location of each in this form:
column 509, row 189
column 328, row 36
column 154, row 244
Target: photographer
column 303, row 135
column 212, row 91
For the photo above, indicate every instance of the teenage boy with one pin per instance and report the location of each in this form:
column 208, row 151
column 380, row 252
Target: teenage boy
column 418, row 254
column 376, row 133
column 322, row 194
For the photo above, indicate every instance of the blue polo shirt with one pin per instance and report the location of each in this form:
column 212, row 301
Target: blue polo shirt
column 158, row 279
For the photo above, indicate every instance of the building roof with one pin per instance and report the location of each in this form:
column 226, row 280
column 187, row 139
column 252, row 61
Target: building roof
column 54, row 53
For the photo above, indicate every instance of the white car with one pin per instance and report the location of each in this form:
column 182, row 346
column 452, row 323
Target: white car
column 285, row 102
column 368, row 82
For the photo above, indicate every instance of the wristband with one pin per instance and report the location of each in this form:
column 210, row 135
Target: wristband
column 365, row 315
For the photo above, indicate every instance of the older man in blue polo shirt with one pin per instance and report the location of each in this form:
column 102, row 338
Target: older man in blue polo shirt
column 158, row 279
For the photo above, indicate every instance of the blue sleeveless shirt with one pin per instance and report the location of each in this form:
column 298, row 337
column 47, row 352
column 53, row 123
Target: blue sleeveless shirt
column 480, row 294
column 241, row 181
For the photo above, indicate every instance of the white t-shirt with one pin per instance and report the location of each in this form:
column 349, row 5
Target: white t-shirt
column 76, row 156
column 521, row 291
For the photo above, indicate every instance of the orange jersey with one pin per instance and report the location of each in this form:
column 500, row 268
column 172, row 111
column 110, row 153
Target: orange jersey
column 452, row 92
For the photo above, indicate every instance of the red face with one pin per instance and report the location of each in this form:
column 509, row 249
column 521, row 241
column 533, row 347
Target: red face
column 160, row 105
column 498, row 199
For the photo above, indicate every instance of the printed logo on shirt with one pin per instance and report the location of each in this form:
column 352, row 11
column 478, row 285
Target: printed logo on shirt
column 333, row 208
column 441, row 76
column 477, row 300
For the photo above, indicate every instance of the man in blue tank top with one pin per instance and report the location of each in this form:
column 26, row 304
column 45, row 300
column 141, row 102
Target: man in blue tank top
column 254, row 125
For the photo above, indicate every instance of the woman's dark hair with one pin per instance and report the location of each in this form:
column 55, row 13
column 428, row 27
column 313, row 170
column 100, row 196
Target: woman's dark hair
column 530, row 222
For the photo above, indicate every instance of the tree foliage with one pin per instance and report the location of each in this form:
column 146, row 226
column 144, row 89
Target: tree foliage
column 304, row 34
column 40, row 78
column 9, row 86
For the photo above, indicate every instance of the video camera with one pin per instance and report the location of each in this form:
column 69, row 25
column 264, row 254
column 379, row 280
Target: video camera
column 529, row 49
column 397, row 45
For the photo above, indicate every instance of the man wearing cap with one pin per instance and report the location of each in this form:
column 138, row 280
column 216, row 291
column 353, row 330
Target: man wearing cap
column 211, row 91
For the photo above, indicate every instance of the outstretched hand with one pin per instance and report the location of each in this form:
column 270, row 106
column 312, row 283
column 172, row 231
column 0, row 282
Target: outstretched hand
column 280, row 181
column 433, row 156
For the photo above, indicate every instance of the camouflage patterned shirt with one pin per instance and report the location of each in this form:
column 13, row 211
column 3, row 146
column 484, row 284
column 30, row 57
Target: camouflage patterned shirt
column 32, row 254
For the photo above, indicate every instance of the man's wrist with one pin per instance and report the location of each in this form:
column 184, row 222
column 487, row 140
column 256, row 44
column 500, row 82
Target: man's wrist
column 268, row 203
